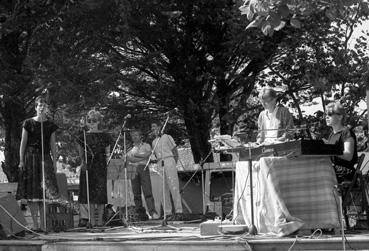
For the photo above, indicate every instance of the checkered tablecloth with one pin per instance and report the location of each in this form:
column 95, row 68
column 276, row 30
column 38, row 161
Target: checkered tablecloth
column 289, row 194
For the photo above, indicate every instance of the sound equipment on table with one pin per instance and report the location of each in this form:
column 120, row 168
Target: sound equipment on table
column 289, row 148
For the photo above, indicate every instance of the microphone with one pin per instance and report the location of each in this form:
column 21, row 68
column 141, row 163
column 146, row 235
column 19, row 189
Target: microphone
column 128, row 116
column 83, row 124
column 174, row 110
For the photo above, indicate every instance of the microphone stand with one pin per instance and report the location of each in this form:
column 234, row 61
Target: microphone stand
column 125, row 172
column 89, row 225
column 125, row 219
column 252, row 230
column 43, row 175
column 164, row 223
column 203, row 189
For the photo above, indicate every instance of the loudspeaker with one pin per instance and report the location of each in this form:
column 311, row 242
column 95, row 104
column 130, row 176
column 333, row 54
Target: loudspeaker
column 8, row 205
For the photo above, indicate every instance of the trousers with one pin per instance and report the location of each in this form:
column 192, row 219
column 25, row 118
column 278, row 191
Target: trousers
column 142, row 182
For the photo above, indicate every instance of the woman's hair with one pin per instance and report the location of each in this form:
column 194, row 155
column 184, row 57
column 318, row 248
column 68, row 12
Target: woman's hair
column 268, row 92
column 336, row 108
column 136, row 130
column 96, row 115
column 40, row 99
column 156, row 122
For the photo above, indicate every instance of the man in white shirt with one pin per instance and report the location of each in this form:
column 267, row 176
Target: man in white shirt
column 274, row 121
column 167, row 156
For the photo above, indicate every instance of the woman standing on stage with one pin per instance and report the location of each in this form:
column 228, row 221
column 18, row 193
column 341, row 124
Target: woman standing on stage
column 30, row 162
column 345, row 139
column 98, row 151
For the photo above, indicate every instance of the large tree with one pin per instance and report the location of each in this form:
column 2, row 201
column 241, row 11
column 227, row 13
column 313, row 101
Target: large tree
column 192, row 55
column 19, row 21
column 26, row 28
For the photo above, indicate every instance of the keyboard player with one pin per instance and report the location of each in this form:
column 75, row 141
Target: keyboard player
column 343, row 138
column 274, row 121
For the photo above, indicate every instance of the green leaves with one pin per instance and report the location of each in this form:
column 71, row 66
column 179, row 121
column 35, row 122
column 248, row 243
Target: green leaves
column 266, row 28
column 296, row 12
column 295, row 23
column 274, row 19
column 255, row 23
column 283, row 11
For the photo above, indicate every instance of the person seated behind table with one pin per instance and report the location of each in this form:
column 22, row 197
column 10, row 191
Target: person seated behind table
column 344, row 138
column 273, row 120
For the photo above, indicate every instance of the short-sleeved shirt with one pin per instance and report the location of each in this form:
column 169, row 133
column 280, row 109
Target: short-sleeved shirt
column 270, row 123
column 33, row 129
column 339, row 139
column 142, row 148
column 164, row 147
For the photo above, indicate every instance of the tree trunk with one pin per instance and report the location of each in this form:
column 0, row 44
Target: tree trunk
column 13, row 114
column 226, row 119
column 297, row 104
column 323, row 101
column 198, row 125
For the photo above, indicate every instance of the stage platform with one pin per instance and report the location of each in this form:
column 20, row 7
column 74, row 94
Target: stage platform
column 152, row 237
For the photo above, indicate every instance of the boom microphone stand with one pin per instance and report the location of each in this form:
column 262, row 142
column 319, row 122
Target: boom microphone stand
column 125, row 220
column 164, row 223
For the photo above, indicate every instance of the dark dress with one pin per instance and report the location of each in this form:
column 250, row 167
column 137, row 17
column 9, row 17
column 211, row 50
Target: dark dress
column 30, row 180
column 344, row 169
column 97, row 168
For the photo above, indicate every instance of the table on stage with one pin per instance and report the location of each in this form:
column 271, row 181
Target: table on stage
column 289, row 194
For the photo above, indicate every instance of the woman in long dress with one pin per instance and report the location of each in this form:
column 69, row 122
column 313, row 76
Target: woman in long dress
column 98, row 150
column 30, row 162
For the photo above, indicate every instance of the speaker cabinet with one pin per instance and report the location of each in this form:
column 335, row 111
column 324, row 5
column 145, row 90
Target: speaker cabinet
column 10, row 206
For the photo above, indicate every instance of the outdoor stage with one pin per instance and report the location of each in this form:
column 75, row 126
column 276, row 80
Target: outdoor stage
column 182, row 237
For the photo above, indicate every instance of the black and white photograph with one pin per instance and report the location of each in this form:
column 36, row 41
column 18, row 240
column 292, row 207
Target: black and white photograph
column 192, row 125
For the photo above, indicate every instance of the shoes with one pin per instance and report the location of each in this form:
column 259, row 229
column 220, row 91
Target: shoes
column 83, row 223
column 176, row 217
column 179, row 217
column 169, row 217
column 154, row 216
column 141, row 214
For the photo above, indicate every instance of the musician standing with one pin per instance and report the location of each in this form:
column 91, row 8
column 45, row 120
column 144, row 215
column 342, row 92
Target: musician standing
column 345, row 139
column 137, row 158
column 275, row 120
column 166, row 152
column 30, row 161
column 97, row 147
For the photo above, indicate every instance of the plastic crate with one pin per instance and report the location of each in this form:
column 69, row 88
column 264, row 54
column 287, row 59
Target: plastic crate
column 59, row 217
